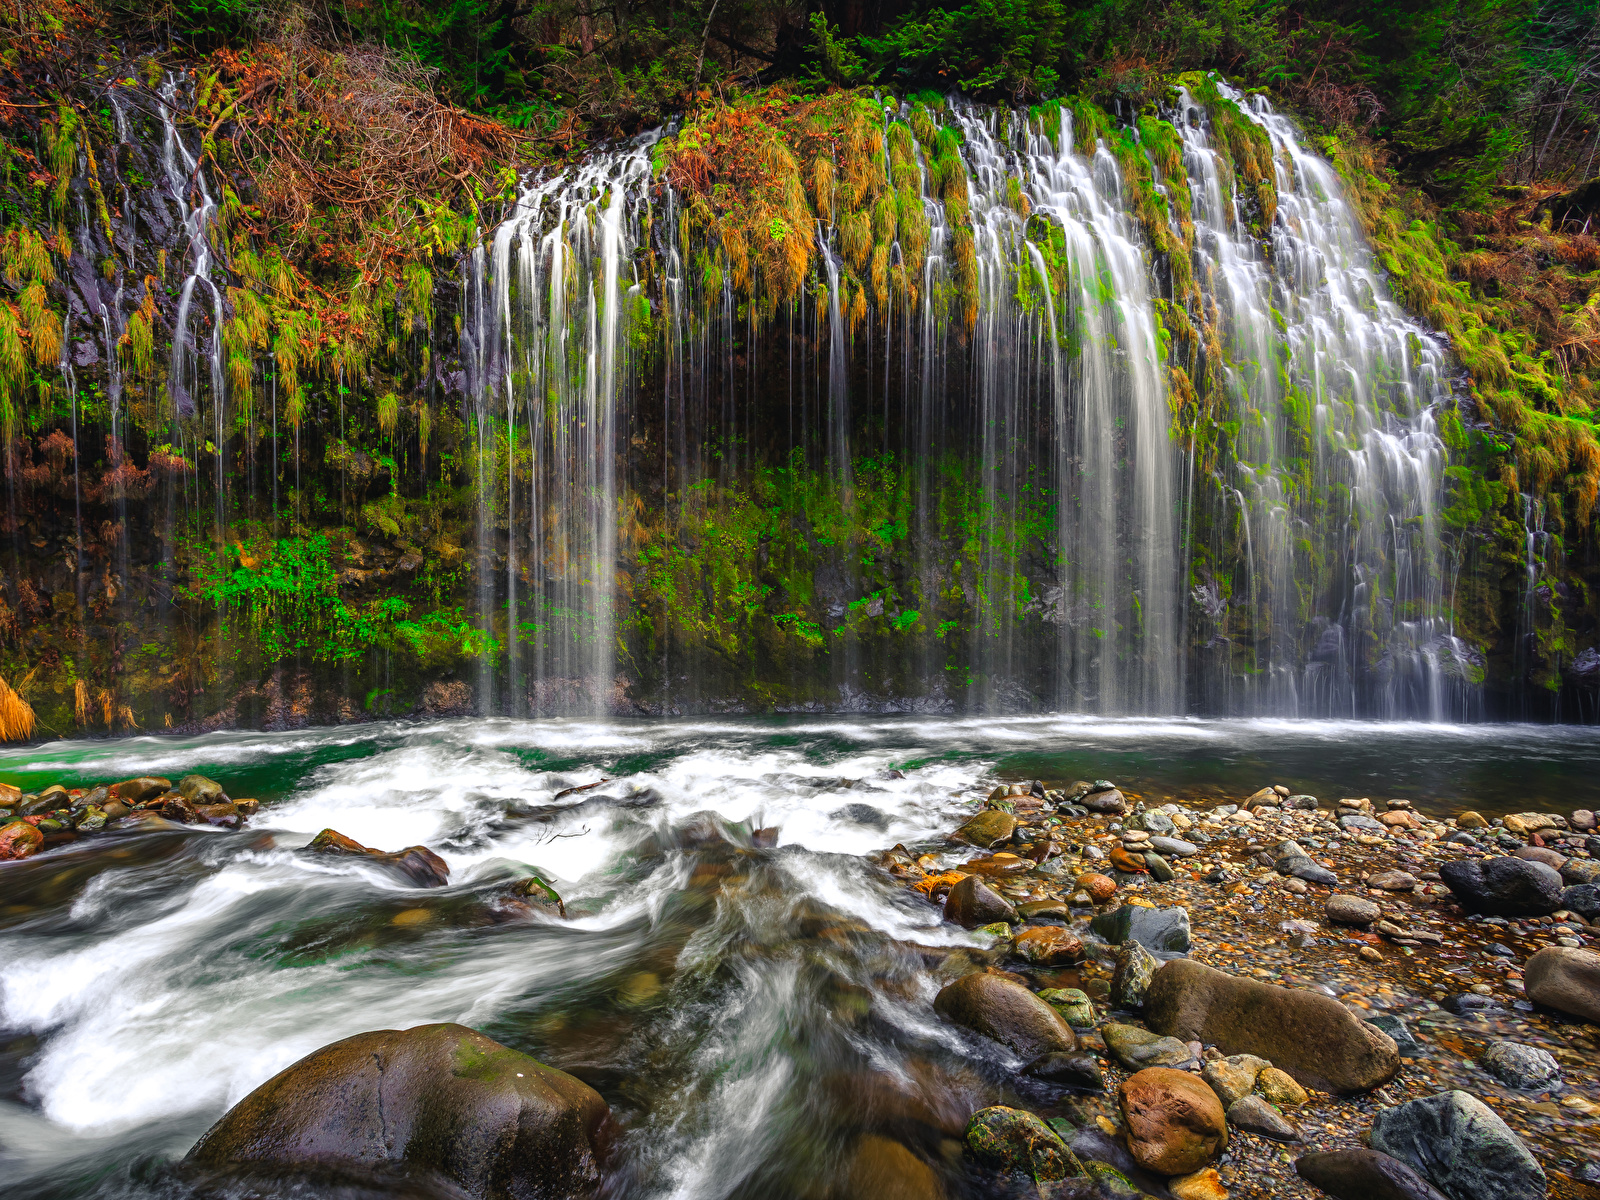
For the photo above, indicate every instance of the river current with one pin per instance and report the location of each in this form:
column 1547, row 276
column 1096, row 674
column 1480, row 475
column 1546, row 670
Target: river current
column 752, row 997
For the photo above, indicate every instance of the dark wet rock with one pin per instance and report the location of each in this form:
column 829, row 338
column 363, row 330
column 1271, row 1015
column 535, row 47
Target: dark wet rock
column 1311, row 1036
column 1506, row 887
column 1352, row 910
column 1233, row 1078
column 971, row 903
column 174, row 806
column 197, row 789
column 416, row 864
column 986, row 830
column 1583, row 899
column 1519, row 1066
column 1068, row 1068
column 1364, row 1175
column 1580, row 871
column 1007, row 1012
column 1130, row 977
column 861, row 814
column 1175, row 1122
column 1164, row 930
column 1467, row 1004
column 440, row 1103
column 537, row 892
column 1461, row 1145
column 1302, row 803
column 1398, row 1032
column 1173, row 847
column 1459, row 838
column 225, row 815
column 1362, row 823
column 1302, row 867
column 1014, row 1140
column 1109, row 801
column 1160, row 869
column 1565, row 978
column 1137, row 1048
column 1254, row 1115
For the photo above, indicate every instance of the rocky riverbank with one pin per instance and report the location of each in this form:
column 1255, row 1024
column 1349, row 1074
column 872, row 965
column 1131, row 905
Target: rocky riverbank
column 35, row 821
column 1276, row 996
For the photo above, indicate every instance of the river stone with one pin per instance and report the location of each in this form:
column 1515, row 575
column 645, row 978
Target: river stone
column 1542, row 854
column 1175, row 1122
column 1582, row 820
column 1311, row 1036
column 437, row 1101
column 1580, row 870
column 1130, row 978
column 1503, row 887
column 1364, row 1175
column 1233, row 1078
column 1302, row 867
column 19, row 840
column 1302, row 802
column 1397, row 1030
column 1137, row 1048
column 1108, row 801
column 1459, row 1143
column 1173, row 847
column 882, row 1169
column 1267, row 796
column 972, row 903
column 1156, row 822
column 417, row 864
column 1074, row 1006
column 1100, row 887
column 1352, row 910
column 1279, row 1088
column 861, row 814
column 1254, row 1115
column 1014, row 1140
column 986, row 830
column 197, row 789
column 1007, row 1012
column 1583, row 899
column 1519, row 1066
column 1075, row 1069
column 1160, row 869
column 1361, row 822
column 1048, row 945
column 137, row 791
column 1466, row 1004
column 1392, row 881
column 1565, row 978
column 1164, row 930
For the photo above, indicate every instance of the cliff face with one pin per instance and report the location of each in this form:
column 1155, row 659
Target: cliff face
column 323, row 400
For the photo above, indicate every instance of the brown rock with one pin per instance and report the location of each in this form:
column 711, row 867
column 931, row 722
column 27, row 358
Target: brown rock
column 971, row 903
column 1175, row 1122
column 1565, row 978
column 417, row 864
column 1007, row 1012
column 19, row 840
column 1202, row 1185
column 881, row 1169
column 1401, row 819
column 1109, row 802
column 226, row 815
column 1280, row 1089
column 1352, row 910
column 989, row 828
column 1311, row 1036
column 1100, row 887
column 10, row 795
column 1048, row 945
column 137, row 791
column 437, row 1103
column 1393, row 881
column 1471, row 820
column 1124, row 859
column 1539, row 854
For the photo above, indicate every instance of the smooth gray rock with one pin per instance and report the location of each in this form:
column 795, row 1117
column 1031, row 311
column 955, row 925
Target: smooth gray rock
column 861, row 814
column 1364, row 823
column 1173, row 847
column 1254, row 1115
column 1461, row 1145
column 1302, row 867
column 1504, row 887
column 1519, row 1066
column 1164, row 930
column 1399, row 1033
column 1137, row 1048
column 1364, row 1175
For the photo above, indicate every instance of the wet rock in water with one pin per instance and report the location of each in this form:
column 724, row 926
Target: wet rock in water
column 1044, row 910
column 1074, row 1006
column 1069, row 1069
column 225, row 815
column 1007, row 1012
column 1014, row 1140
column 863, row 814
column 1278, row 1087
column 1106, row 1182
column 972, row 903
column 1580, row 870
column 1234, row 1077
column 1130, row 977
column 1461, row 838
column 1165, row 930
column 1100, row 887
column 1461, row 1145
column 1173, row 847
column 1302, row 867
column 1137, row 1048
column 1466, row 1004
column 1565, row 978
column 1583, row 899
column 1107, row 801
column 1503, row 887
column 1364, row 1175
column 18, row 839
column 417, row 864
column 1201, row 1185
column 1175, row 1122
column 1519, row 1066
column 137, row 791
column 1311, row 1036
column 881, row 1169
column 1124, row 859
column 1398, row 1032
column 1393, row 881
column 1048, row 945
column 197, row 789
column 1352, row 910
column 1254, row 1115
column 437, row 1102
column 1160, row 870
column 536, row 890
column 986, row 830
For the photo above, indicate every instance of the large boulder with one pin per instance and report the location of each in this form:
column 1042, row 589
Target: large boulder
column 1311, row 1036
column 1565, row 978
column 972, row 903
column 1461, row 1145
column 989, row 828
column 438, row 1103
column 1015, row 1140
column 1364, row 1175
column 1164, row 930
column 1504, row 887
column 1175, row 1123
column 1007, row 1012
column 415, row 864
